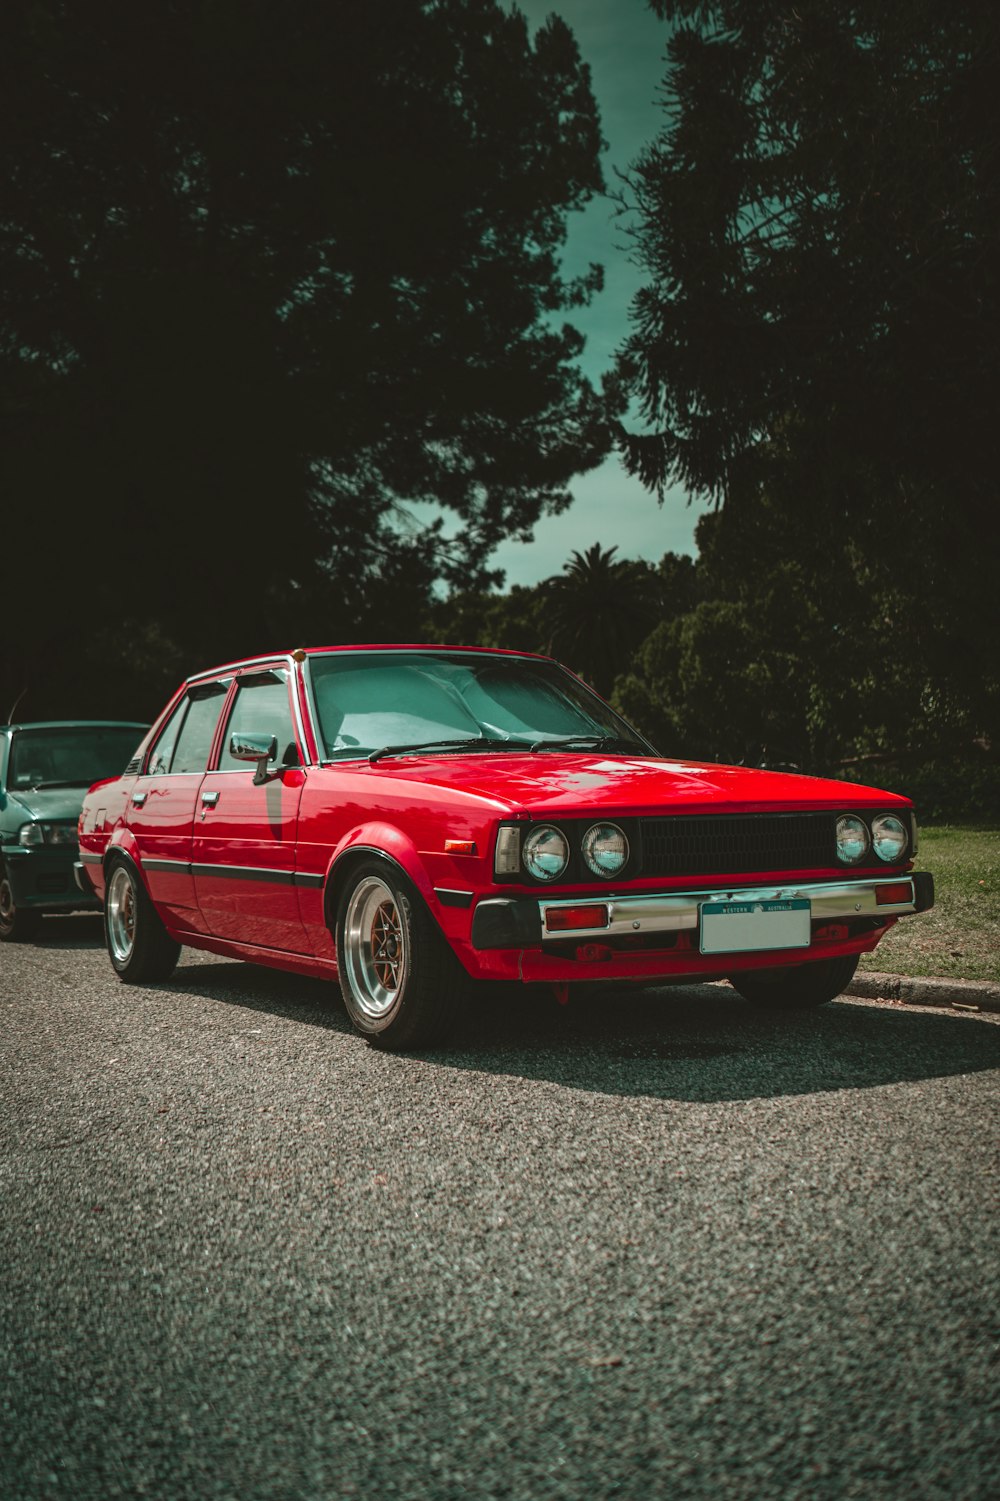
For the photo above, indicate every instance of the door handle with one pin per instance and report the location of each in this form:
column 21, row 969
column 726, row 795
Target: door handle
column 210, row 799
column 138, row 798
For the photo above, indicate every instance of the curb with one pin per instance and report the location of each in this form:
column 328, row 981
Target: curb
column 952, row 995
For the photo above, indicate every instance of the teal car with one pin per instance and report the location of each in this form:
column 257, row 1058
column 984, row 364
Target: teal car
column 45, row 770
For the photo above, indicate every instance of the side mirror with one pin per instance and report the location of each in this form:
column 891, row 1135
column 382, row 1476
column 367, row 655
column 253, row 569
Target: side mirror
column 259, row 748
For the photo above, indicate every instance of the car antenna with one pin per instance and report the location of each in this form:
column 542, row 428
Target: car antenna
column 10, row 715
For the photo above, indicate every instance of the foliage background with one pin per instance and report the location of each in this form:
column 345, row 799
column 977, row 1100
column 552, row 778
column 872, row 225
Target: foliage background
column 268, row 275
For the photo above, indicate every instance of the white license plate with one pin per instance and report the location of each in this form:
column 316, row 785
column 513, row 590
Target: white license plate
column 741, row 927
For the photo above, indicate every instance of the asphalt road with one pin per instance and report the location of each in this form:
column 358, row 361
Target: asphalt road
column 648, row 1245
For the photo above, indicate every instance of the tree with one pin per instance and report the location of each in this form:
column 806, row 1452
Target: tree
column 818, row 221
column 598, row 610
column 797, row 645
column 515, row 619
column 267, row 274
column 818, row 334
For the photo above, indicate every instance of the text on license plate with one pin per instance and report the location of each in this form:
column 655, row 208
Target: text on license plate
column 736, row 927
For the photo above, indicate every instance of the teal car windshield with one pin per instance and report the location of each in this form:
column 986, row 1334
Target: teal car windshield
column 370, row 703
column 72, row 756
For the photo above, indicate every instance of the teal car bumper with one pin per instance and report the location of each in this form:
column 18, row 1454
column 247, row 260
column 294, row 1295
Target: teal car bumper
column 43, row 878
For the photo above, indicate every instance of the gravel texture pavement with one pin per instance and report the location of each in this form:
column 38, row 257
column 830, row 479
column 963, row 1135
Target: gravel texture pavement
column 649, row 1244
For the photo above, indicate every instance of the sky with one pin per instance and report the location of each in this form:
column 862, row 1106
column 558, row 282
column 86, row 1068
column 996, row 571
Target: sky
column 624, row 44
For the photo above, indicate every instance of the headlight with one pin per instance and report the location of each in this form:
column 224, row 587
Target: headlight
column 545, row 853
column 888, row 837
column 31, row 834
column 852, row 839
column 605, row 849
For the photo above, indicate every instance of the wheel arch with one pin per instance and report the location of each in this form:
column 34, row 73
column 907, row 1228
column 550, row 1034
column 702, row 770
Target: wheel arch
column 386, row 845
column 126, row 854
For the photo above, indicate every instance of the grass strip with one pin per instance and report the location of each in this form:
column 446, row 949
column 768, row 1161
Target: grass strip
column 960, row 937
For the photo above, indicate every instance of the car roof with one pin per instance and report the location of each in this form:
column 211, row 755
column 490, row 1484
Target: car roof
column 74, row 724
column 374, row 647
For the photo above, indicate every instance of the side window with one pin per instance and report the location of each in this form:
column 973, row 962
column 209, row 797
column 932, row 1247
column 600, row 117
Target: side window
column 195, row 738
column 163, row 751
column 261, row 707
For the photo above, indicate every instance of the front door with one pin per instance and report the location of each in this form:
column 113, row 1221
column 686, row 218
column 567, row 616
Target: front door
column 243, row 846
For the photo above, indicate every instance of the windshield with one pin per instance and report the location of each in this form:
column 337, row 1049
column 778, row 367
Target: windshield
column 73, row 756
column 372, row 702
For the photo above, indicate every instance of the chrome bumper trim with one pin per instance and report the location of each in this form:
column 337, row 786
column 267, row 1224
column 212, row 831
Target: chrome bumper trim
column 669, row 913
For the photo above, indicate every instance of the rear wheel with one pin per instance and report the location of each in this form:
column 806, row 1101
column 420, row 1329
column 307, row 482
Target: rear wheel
column 400, row 982
column 17, row 924
column 798, row 987
column 139, row 946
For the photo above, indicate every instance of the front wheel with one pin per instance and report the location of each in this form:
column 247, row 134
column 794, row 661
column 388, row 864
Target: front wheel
column 798, row 987
column 139, row 946
column 400, row 982
column 17, row 924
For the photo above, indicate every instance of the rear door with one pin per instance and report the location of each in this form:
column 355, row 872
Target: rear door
column 160, row 811
column 243, row 846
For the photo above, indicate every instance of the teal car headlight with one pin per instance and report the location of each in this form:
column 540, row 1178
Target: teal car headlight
column 30, row 835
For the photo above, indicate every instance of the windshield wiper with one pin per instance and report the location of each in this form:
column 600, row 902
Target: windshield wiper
column 589, row 742
column 474, row 743
column 76, row 783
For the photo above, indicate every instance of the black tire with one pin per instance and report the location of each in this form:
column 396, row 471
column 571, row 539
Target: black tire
column 800, row 986
column 139, row 946
column 17, row 924
column 400, row 981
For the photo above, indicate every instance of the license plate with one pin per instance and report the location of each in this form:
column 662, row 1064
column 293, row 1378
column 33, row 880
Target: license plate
column 741, row 927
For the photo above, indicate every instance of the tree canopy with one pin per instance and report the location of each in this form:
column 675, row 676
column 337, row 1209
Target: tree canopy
column 818, row 222
column 267, row 274
column 816, row 347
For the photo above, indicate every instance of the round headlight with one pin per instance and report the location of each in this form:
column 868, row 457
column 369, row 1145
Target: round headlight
column 852, row 839
column 545, row 853
column 888, row 837
column 31, row 834
column 605, row 849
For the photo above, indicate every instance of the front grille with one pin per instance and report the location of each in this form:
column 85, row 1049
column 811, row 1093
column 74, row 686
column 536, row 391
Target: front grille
column 723, row 844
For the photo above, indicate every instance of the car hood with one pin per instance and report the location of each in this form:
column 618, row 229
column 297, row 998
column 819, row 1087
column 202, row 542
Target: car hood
column 55, row 804
column 563, row 782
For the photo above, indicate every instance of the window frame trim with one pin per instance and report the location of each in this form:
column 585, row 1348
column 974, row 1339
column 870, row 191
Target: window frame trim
column 285, row 668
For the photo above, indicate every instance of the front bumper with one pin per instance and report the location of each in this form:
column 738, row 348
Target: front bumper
column 524, row 922
column 42, row 877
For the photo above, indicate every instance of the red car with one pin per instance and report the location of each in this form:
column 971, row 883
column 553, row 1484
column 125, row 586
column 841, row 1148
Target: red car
column 402, row 818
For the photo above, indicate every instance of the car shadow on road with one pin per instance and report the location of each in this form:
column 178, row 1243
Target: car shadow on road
column 75, row 930
column 704, row 1043
column 697, row 1043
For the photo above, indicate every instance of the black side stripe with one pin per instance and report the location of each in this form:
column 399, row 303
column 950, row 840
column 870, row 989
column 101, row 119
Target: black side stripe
column 246, row 873
column 238, row 872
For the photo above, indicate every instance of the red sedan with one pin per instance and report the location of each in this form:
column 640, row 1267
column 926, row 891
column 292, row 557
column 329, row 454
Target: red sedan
column 402, row 818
